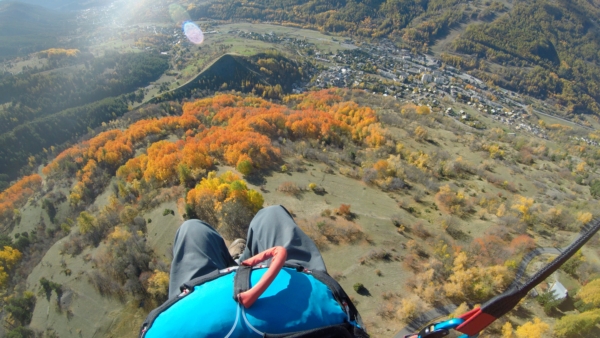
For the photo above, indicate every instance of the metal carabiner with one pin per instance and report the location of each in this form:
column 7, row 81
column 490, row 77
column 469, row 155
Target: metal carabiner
column 439, row 329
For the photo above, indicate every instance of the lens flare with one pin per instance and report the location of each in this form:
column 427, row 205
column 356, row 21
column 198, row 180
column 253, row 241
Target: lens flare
column 193, row 32
column 178, row 14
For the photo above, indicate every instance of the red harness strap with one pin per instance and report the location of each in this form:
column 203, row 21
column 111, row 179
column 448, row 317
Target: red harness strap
column 278, row 255
column 475, row 322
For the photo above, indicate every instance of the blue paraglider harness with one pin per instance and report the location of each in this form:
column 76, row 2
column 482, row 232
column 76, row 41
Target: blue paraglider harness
column 281, row 301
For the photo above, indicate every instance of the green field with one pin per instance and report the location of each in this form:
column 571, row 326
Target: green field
column 323, row 42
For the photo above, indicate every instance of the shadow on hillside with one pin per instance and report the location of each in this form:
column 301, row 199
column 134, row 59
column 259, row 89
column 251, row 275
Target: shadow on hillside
column 522, row 312
column 544, row 233
column 256, row 179
column 567, row 305
column 364, row 292
column 320, row 191
column 433, row 142
column 458, row 234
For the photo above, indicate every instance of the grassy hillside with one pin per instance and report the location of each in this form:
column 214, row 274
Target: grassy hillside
column 264, row 74
column 396, row 197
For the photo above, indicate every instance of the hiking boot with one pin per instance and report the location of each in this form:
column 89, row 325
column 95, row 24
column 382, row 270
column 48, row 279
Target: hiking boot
column 236, row 248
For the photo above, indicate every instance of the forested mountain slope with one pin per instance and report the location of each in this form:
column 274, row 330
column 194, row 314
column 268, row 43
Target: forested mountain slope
column 26, row 28
column 559, row 39
column 546, row 48
column 44, row 110
column 67, row 4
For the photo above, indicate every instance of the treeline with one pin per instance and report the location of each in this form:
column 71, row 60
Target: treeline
column 34, row 96
column 557, row 38
column 45, row 110
column 269, row 75
column 427, row 19
column 229, row 129
column 31, row 138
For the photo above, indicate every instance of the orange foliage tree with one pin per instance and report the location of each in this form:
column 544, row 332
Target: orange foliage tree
column 109, row 150
column 235, row 130
column 17, row 194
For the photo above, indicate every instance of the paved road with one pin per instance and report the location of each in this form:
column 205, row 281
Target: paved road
column 417, row 323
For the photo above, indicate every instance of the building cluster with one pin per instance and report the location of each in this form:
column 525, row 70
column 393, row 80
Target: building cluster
column 390, row 71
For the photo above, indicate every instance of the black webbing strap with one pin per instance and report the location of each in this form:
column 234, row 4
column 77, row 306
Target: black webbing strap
column 241, row 281
column 478, row 319
column 334, row 331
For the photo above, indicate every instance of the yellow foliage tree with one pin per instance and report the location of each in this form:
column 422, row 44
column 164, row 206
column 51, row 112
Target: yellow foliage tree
column 419, row 159
column 590, row 293
column 225, row 200
column 523, row 206
column 158, row 284
column 475, row 282
column 420, row 133
column 451, row 201
column 577, row 325
column 460, row 310
column 507, row 330
column 535, row 329
column 585, row 217
column 407, row 309
column 494, row 150
column 119, row 234
column 423, row 110
column 501, row 210
column 8, row 259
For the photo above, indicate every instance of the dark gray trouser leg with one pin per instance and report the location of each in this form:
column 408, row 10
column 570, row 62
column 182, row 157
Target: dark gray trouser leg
column 198, row 250
column 274, row 226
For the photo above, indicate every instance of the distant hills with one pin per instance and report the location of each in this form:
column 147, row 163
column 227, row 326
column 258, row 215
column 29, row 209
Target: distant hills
column 26, row 28
column 64, row 4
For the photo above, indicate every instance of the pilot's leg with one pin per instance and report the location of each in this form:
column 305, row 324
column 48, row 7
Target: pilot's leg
column 198, row 250
column 274, row 226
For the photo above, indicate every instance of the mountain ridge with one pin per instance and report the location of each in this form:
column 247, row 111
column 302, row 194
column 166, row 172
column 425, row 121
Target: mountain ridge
column 27, row 28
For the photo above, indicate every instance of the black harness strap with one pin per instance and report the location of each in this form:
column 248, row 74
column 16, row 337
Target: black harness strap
column 241, row 281
column 333, row 331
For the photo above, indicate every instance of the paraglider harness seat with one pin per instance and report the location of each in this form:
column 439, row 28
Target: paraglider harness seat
column 245, row 295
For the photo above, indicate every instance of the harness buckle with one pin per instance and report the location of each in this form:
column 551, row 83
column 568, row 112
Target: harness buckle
column 437, row 330
column 432, row 332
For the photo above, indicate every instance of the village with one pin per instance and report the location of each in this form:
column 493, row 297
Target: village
column 387, row 70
